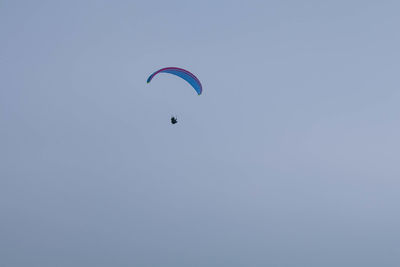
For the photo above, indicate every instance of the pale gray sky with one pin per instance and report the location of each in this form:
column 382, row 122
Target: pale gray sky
column 290, row 157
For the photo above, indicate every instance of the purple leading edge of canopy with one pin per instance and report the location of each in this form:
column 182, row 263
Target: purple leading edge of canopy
column 184, row 74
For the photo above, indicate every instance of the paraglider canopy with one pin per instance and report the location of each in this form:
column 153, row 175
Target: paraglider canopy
column 184, row 74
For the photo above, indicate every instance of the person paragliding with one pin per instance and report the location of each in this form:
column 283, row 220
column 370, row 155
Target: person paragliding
column 185, row 75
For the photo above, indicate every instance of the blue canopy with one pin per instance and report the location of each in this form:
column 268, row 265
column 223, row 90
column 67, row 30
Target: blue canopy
column 184, row 74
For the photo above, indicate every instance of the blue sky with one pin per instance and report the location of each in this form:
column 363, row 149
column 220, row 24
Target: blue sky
column 288, row 158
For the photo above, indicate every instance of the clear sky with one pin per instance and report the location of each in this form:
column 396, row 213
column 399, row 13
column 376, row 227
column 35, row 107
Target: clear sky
column 290, row 158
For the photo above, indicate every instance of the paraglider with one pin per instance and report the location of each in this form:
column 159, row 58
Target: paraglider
column 185, row 75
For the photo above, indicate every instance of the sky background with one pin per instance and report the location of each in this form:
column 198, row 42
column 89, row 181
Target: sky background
column 290, row 157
